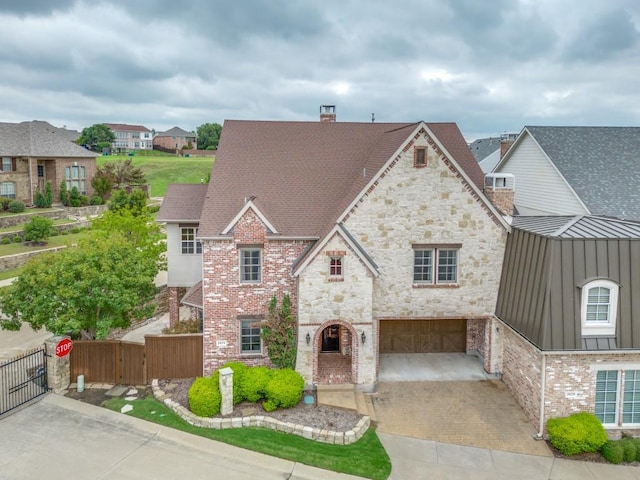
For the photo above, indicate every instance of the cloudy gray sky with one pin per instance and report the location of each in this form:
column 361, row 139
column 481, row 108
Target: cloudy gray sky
column 491, row 66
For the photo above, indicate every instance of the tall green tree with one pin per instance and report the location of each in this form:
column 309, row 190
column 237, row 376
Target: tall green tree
column 278, row 333
column 96, row 137
column 209, row 136
column 106, row 282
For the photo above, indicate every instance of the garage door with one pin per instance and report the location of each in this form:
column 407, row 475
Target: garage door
column 423, row 336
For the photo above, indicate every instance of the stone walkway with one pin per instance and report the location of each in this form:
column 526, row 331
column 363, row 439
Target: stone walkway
column 472, row 413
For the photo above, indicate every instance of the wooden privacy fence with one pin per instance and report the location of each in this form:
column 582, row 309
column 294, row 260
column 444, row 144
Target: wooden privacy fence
column 126, row 363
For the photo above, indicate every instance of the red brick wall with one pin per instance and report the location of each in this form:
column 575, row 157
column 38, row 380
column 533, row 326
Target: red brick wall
column 225, row 298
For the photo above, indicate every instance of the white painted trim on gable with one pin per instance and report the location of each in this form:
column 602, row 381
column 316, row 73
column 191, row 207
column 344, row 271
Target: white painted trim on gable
column 553, row 165
column 336, row 230
column 256, row 210
column 463, row 174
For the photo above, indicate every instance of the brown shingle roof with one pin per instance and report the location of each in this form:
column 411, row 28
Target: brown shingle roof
column 193, row 297
column 303, row 174
column 182, row 203
column 123, row 127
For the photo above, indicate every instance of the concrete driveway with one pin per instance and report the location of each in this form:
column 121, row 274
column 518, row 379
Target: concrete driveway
column 450, row 399
column 59, row 438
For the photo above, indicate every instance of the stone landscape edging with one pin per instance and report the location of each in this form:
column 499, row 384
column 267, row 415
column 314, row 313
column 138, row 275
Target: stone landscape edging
column 264, row 421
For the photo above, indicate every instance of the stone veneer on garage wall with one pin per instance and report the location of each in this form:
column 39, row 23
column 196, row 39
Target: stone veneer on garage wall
column 225, row 298
column 570, row 378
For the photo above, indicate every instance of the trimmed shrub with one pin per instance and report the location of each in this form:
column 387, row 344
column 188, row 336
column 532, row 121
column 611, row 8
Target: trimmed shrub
column 239, row 369
column 16, row 206
column 636, row 442
column 74, row 197
column 613, row 452
column 578, row 433
column 6, row 241
column 5, row 202
column 64, row 232
column 64, row 194
column 96, row 200
column 284, row 389
column 629, row 450
column 254, row 383
column 75, row 230
column 17, row 239
column 38, row 229
column 204, row 397
column 54, row 232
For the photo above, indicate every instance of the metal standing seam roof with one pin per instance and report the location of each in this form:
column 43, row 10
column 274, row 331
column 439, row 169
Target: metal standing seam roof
column 602, row 165
column 578, row 226
column 40, row 139
column 302, row 175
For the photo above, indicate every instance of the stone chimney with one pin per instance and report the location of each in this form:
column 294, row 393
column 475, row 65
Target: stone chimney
column 506, row 140
column 500, row 190
column 327, row 113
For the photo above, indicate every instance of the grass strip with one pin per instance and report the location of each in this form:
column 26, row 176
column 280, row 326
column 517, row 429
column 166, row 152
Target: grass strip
column 365, row 458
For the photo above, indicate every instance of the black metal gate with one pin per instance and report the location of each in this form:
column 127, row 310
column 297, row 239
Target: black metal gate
column 22, row 379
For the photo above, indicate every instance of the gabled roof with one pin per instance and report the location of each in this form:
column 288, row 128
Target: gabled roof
column 578, row 226
column 193, row 296
column 40, row 139
column 483, row 147
column 489, row 162
column 302, row 175
column 601, row 164
column 123, row 127
column 175, row 132
column 182, row 203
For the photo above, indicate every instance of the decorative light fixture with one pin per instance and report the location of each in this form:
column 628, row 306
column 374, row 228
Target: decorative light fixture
column 308, row 337
column 363, row 337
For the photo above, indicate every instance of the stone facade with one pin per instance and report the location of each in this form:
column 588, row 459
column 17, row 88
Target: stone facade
column 226, row 299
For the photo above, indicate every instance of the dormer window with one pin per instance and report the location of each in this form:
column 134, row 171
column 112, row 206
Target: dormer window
column 420, row 157
column 336, row 265
column 599, row 307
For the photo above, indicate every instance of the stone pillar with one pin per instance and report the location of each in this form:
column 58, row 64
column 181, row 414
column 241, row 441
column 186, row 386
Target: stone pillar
column 58, row 368
column 226, row 390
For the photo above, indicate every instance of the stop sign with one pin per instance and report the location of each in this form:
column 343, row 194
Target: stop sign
column 63, row 347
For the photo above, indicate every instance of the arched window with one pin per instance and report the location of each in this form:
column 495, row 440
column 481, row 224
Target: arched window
column 8, row 189
column 599, row 307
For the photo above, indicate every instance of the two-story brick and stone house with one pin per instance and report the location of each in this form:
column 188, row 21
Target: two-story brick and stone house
column 380, row 233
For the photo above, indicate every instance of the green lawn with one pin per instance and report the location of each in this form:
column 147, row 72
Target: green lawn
column 162, row 170
column 19, row 228
column 10, row 273
column 366, row 458
column 14, row 248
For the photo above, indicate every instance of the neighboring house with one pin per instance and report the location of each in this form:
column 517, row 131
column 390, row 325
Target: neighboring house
column 175, row 139
column 489, row 151
column 381, row 233
column 131, row 137
column 570, row 301
column 36, row 152
column 576, row 171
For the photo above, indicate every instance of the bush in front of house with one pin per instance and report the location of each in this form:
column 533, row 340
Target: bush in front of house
column 628, row 450
column 284, row 389
column 5, row 201
column 578, row 433
column 16, row 239
column 254, row 383
column 38, row 229
column 16, row 206
column 96, row 200
column 6, row 241
column 204, row 397
column 613, row 452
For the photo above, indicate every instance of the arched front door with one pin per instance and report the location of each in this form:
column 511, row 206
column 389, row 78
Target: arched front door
column 335, row 347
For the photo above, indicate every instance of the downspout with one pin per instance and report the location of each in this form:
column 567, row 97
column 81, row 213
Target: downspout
column 543, row 372
column 540, row 434
column 30, row 183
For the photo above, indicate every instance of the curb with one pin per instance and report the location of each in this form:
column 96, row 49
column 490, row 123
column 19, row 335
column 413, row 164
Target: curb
column 264, row 421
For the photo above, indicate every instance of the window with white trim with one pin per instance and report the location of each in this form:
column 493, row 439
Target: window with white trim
column 188, row 243
column 76, row 176
column 250, row 265
column 599, row 307
column 435, row 264
column 8, row 190
column 250, row 338
column 611, row 386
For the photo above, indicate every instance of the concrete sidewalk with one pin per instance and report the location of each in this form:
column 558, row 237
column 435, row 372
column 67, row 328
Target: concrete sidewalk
column 414, row 458
column 59, row 438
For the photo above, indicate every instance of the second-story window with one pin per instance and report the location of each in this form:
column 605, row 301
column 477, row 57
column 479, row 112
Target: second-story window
column 188, row 243
column 250, row 265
